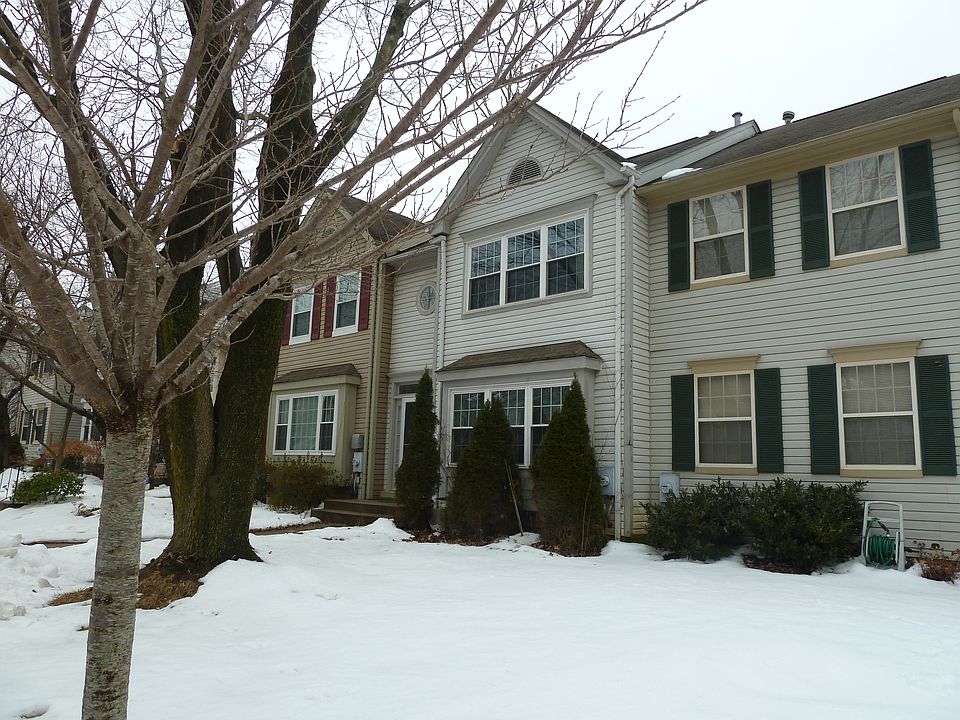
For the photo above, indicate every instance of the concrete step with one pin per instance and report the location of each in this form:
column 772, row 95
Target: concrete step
column 345, row 517
column 379, row 508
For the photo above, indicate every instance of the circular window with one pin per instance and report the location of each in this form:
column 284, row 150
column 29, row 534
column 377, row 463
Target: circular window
column 427, row 298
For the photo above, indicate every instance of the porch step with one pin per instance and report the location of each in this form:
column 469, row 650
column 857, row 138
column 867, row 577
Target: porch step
column 354, row 512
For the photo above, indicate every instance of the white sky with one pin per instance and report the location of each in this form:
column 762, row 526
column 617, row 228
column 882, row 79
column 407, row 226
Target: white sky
column 762, row 57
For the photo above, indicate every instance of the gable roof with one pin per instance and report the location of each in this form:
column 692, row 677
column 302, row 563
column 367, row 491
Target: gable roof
column 580, row 134
column 883, row 107
column 386, row 225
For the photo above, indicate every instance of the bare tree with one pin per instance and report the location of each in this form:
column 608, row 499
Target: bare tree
column 139, row 124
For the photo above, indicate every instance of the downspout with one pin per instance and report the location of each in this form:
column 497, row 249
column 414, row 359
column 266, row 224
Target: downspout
column 618, row 372
column 439, row 334
column 373, row 381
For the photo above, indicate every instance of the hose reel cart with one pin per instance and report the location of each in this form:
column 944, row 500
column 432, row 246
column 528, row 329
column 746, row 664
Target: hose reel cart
column 877, row 546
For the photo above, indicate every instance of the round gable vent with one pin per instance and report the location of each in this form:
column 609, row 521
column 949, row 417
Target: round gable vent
column 526, row 169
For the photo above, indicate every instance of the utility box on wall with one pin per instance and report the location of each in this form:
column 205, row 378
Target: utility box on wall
column 669, row 484
column 607, row 484
column 356, row 464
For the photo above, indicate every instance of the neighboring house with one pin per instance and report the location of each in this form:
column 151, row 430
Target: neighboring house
column 40, row 420
column 332, row 369
column 804, row 319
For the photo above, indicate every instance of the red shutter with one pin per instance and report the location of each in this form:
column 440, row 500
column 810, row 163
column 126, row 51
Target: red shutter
column 366, row 277
column 285, row 329
column 317, row 306
column 331, row 306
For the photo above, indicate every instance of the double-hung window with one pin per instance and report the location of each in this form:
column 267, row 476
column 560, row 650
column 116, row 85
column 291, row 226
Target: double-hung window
column 301, row 317
column 536, row 263
column 33, row 427
column 717, row 232
column 528, row 409
column 878, row 419
column 305, row 423
column 864, row 204
column 347, row 310
column 725, row 420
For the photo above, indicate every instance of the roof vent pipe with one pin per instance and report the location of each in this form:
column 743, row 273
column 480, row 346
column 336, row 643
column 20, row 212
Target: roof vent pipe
column 788, row 116
column 736, row 118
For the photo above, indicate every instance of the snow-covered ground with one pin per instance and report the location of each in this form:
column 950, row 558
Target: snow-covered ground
column 60, row 522
column 357, row 624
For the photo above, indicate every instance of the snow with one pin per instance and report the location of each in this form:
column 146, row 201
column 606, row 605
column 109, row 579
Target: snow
column 361, row 623
column 678, row 172
column 59, row 522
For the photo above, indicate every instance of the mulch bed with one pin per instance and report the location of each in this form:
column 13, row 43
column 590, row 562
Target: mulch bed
column 757, row 563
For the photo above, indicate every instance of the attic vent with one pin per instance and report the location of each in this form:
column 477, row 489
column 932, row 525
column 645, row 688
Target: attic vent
column 526, row 169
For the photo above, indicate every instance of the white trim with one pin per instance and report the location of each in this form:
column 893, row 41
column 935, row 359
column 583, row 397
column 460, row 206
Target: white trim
column 753, row 420
column 346, row 329
column 745, row 273
column 898, row 199
column 542, row 227
column 320, row 394
column 487, row 391
column 297, row 339
column 901, row 413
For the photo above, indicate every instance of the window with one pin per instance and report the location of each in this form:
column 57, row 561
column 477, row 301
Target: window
column 427, row 299
column 346, row 312
column 528, row 408
column 301, row 317
column 518, row 267
column 33, row 427
column 863, row 196
column 38, row 365
column 26, row 425
column 717, row 233
column 305, row 424
column 89, row 432
column 724, row 420
column 879, row 426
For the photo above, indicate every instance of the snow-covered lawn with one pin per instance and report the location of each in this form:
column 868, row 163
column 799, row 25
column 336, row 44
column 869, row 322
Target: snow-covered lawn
column 357, row 623
column 59, row 522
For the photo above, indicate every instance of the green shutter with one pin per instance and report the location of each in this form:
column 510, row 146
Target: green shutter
column 678, row 246
column 766, row 383
column 681, row 403
column 824, row 421
column 814, row 236
column 919, row 201
column 760, row 229
column 937, row 445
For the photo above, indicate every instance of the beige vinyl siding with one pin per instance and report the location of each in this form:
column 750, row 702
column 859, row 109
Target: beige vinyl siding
column 383, row 329
column 589, row 318
column 791, row 320
column 412, row 344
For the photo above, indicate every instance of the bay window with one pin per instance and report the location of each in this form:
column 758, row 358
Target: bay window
column 305, row 423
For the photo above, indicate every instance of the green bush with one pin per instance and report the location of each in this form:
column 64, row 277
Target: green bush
column 300, row 485
column 566, row 485
column 418, row 476
column 705, row 523
column 480, row 503
column 805, row 526
column 48, row 487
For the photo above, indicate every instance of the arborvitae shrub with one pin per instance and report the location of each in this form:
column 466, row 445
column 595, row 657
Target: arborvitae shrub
column 705, row 523
column 418, row 476
column 48, row 487
column 566, row 485
column 805, row 525
column 300, row 485
column 480, row 503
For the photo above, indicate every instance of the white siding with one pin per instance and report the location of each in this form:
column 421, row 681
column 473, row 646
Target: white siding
column 412, row 341
column 640, row 392
column 589, row 318
column 791, row 320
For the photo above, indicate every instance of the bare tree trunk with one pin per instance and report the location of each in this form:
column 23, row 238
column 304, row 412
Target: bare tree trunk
column 62, row 449
column 6, row 435
column 113, row 612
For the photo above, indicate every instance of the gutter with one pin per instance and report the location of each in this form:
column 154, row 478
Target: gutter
column 620, row 387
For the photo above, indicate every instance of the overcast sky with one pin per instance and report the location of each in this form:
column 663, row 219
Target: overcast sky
column 762, row 57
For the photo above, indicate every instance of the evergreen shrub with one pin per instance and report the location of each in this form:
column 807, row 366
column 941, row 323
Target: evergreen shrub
column 566, row 485
column 480, row 503
column 300, row 485
column 48, row 487
column 805, row 526
column 418, row 476
column 705, row 523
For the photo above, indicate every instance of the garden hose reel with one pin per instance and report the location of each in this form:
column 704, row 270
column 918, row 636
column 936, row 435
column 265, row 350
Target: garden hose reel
column 878, row 547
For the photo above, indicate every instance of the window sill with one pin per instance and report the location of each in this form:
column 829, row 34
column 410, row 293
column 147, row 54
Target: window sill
column 299, row 340
column 533, row 302
column 845, row 260
column 718, row 281
column 725, row 470
column 340, row 332
column 880, row 473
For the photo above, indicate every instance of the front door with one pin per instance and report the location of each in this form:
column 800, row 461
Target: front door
column 402, row 438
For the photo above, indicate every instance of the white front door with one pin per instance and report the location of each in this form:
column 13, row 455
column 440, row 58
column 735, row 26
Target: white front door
column 401, row 438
